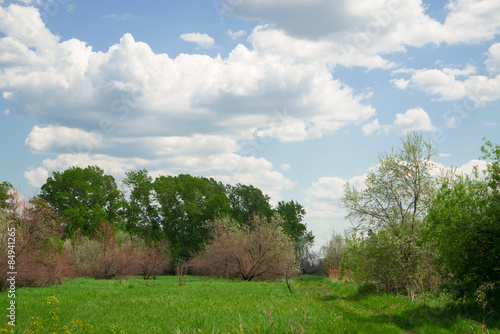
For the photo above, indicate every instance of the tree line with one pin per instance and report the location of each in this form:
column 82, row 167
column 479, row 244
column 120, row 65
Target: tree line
column 415, row 229
column 89, row 226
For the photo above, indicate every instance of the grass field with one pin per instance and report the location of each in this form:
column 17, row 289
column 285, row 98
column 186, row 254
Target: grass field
column 205, row 305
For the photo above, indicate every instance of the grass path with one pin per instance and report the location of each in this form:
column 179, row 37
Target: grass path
column 206, row 305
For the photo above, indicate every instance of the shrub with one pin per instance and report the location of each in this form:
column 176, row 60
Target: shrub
column 116, row 255
column 333, row 254
column 259, row 250
column 39, row 249
column 154, row 259
column 108, row 255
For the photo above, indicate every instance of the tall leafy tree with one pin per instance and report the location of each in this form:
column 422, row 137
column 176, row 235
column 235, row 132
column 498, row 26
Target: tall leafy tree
column 292, row 214
column 85, row 197
column 187, row 206
column 4, row 194
column 141, row 210
column 397, row 191
column 391, row 209
column 246, row 201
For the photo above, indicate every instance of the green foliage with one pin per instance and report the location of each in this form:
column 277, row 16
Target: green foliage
column 462, row 225
column 4, row 196
column 205, row 305
column 187, row 205
column 334, row 251
column 390, row 209
column 84, row 197
column 491, row 152
column 292, row 214
column 246, row 201
column 397, row 191
column 141, row 213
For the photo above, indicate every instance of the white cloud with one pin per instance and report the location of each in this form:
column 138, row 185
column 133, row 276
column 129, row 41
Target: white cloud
column 360, row 32
column 469, row 167
column 444, row 155
column 132, row 108
column 6, row 112
column 444, row 83
column 36, row 177
column 471, row 21
column 118, row 17
column 493, row 61
column 371, row 127
column 56, row 138
column 327, row 188
column 412, row 120
column 236, row 34
column 285, row 167
column 400, row 83
column 322, row 205
column 202, row 40
column 188, row 95
column 25, row 25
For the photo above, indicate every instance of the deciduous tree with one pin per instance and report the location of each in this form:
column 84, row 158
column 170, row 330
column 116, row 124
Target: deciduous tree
column 141, row 210
column 84, row 197
column 391, row 208
column 292, row 214
column 246, row 201
column 4, row 194
column 187, row 205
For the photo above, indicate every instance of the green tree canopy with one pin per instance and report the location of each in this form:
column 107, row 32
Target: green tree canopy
column 84, row 197
column 292, row 214
column 246, row 201
column 4, row 194
column 187, row 206
column 141, row 212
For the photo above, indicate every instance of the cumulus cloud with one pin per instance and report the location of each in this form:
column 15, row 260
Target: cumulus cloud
column 445, row 84
column 285, row 166
column 412, row 120
column 323, row 208
column 471, row 21
column 119, row 92
column 236, row 34
column 468, row 168
column 36, row 177
column 391, row 23
column 202, row 40
column 360, row 32
column 132, row 108
column 493, row 61
column 57, row 138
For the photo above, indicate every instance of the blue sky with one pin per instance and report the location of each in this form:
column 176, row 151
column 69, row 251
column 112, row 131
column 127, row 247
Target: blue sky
column 295, row 97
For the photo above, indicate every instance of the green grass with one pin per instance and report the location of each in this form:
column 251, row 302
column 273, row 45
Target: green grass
column 222, row 306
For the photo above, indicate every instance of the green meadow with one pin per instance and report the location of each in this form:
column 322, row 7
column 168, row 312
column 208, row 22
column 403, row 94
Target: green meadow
column 206, row 305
